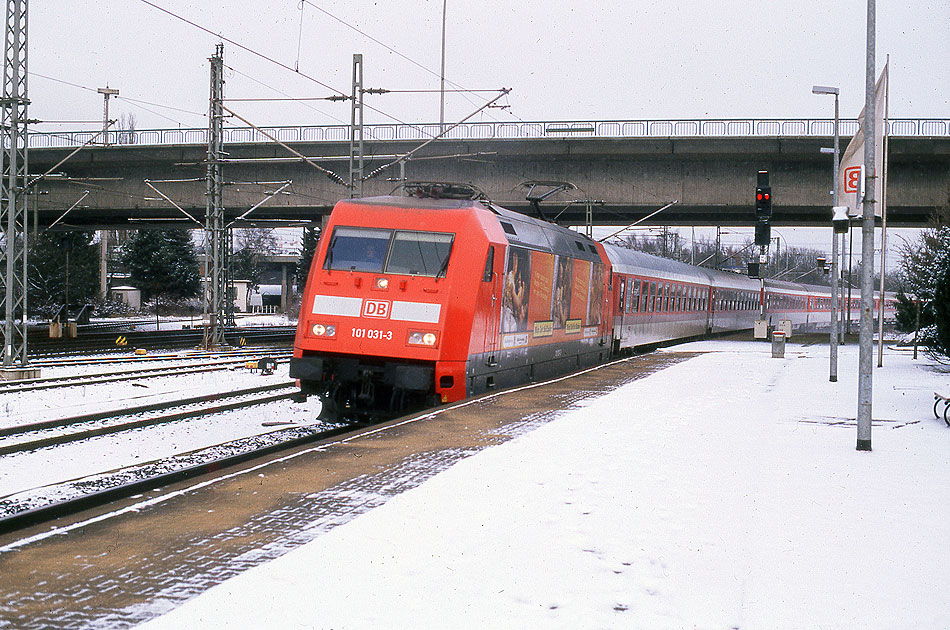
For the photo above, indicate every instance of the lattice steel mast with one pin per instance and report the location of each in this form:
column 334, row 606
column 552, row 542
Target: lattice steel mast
column 216, row 233
column 13, row 206
column 356, row 129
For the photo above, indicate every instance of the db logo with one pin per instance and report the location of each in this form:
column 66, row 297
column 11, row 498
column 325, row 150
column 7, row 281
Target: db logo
column 852, row 179
column 376, row 308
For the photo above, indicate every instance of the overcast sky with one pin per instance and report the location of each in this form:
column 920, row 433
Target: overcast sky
column 563, row 60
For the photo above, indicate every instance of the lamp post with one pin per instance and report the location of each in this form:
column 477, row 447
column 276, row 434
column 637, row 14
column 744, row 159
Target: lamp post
column 442, row 75
column 833, row 368
column 104, row 235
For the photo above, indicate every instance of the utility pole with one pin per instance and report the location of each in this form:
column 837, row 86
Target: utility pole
column 356, row 129
column 13, row 200
column 442, row 75
column 106, row 93
column 835, row 220
column 216, row 255
column 104, row 234
column 866, row 333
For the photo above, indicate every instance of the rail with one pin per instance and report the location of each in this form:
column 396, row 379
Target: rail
column 711, row 128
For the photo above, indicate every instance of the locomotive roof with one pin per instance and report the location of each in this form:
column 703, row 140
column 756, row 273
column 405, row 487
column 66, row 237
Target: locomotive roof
column 520, row 229
column 425, row 203
column 541, row 235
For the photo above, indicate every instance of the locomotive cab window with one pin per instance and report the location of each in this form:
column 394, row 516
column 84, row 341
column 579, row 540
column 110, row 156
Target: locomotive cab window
column 420, row 254
column 377, row 250
column 357, row 249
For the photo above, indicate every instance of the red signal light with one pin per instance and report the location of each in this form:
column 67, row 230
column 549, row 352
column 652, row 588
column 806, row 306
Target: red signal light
column 766, row 196
column 759, row 197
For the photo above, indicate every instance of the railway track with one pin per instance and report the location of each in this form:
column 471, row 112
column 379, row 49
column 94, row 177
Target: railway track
column 100, row 340
column 28, row 437
column 41, row 505
column 55, row 382
column 85, row 494
column 191, row 355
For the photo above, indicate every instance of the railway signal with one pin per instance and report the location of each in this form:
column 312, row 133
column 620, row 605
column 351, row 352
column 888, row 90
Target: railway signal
column 763, row 202
column 763, row 209
column 763, row 233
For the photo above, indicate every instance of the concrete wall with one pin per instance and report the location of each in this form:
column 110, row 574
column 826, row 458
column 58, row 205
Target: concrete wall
column 711, row 178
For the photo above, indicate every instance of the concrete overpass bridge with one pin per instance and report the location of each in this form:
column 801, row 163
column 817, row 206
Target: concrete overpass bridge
column 630, row 168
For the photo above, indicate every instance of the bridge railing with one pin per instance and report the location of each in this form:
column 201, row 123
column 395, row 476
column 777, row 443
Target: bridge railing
column 714, row 128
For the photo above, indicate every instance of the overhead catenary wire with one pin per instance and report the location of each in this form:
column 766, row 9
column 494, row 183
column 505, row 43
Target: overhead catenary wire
column 333, row 176
column 408, row 155
column 343, row 98
column 386, row 46
column 246, row 49
column 287, row 67
column 132, row 101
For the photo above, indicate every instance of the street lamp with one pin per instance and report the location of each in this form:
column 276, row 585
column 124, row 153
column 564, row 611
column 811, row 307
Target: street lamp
column 442, row 75
column 833, row 369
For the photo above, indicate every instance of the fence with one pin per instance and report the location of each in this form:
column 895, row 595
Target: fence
column 716, row 128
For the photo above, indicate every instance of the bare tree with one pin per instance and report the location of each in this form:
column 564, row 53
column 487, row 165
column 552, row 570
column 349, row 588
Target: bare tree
column 127, row 129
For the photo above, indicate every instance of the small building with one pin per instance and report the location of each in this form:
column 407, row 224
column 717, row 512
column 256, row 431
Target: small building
column 241, row 295
column 130, row 296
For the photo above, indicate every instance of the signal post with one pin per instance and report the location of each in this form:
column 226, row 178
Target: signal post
column 763, row 235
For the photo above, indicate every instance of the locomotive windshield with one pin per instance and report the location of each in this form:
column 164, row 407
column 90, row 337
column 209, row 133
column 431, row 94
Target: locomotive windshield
column 389, row 251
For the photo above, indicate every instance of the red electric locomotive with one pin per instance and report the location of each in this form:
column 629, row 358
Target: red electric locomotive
column 414, row 301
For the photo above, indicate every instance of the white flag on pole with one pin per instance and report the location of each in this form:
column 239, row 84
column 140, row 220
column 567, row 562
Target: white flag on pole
column 851, row 170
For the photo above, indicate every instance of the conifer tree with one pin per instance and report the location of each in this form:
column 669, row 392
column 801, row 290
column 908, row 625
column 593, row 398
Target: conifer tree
column 58, row 257
column 925, row 273
column 311, row 237
column 162, row 262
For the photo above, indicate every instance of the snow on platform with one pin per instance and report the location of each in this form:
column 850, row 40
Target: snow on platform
column 722, row 492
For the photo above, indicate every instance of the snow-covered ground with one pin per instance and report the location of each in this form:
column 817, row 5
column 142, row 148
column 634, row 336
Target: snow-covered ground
column 22, row 472
column 26, row 407
column 722, row 492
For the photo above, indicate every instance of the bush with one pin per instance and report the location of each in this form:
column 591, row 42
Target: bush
column 165, row 305
column 111, row 307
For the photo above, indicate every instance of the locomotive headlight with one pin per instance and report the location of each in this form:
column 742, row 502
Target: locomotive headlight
column 381, row 283
column 422, row 338
column 320, row 330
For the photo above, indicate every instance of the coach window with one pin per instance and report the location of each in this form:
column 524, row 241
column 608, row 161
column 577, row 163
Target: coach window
column 357, row 249
column 420, row 254
column 635, row 297
column 652, row 297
